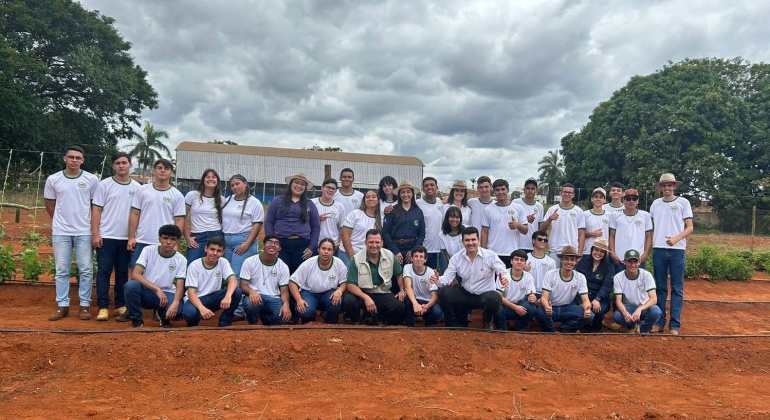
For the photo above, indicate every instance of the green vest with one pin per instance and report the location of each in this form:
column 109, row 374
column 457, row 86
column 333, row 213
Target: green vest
column 384, row 269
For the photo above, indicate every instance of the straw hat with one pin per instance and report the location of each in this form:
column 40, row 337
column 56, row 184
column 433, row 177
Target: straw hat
column 602, row 244
column 459, row 185
column 300, row 176
column 665, row 178
column 568, row 251
column 406, row 184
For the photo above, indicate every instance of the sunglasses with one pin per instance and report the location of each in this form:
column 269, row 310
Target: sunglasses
column 631, row 198
column 543, row 240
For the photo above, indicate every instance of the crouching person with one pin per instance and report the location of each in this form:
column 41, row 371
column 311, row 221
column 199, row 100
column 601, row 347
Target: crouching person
column 421, row 294
column 519, row 301
column 158, row 282
column 370, row 276
column 560, row 289
column 320, row 283
column 204, row 280
column 635, row 298
column 264, row 283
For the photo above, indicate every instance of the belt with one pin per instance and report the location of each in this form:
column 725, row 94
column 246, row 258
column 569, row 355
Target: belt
column 293, row 237
column 404, row 241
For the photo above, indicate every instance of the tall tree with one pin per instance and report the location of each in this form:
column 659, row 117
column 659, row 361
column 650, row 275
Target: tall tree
column 551, row 168
column 66, row 77
column 149, row 148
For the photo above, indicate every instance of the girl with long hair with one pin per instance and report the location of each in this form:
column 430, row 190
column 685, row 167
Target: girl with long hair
column 358, row 222
column 387, row 195
column 204, row 211
column 599, row 272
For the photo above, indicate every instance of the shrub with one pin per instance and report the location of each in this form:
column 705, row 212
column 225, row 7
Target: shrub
column 731, row 266
column 7, row 263
column 33, row 267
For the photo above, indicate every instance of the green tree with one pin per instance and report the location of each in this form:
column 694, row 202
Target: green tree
column 551, row 169
column 149, row 148
column 66, row 77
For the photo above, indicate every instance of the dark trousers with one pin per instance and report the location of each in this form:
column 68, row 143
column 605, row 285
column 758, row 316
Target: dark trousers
column 389, row 309
column 456, row 300
column 112, row 255
column 291, row 252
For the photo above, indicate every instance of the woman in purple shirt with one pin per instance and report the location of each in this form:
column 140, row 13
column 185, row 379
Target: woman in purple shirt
column 294, row 220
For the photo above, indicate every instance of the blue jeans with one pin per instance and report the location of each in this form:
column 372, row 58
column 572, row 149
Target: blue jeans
column 202, row 238
column 192, row 315
column 137, row 252
column 648, row 319
column 112, row 254
column 506, row 314
column 342, row 255
column 322, row 301
column 291, row 252
column 233, row 241
column 431, row 317
column 671, row 262
column 432, row 260
column 268, row 310
column 570, row 316
column 137, row 297
column 62, row 255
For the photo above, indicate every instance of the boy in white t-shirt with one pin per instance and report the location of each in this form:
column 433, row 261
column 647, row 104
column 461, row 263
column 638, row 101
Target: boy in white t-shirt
column 560, row 289
column 534, row 211
column 205, row 294
column 567, row 223
column 484, row 199
column 630, row 228
column 265, row 285
column 68, row 196
column 597, row 220
column 351, row 199
column 616, row 198
column 158, row 282
column 539, row 262
column 421, row 294
column 635, row 297
column 503, row 223
column 331, row 214
column 519, row 297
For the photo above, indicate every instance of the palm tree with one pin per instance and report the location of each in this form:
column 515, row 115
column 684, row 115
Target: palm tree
column 551, row 168
column 473, row 183
column 148, row 148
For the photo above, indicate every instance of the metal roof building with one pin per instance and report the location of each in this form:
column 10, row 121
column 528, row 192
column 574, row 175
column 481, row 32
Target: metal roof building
column 267, row 167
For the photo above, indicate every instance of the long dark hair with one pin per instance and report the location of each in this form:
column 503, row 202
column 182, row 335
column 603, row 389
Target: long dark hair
column 377, row 220
column 286, row 205
column 201, row 187
column 602, row 263
column 399, row 208
column 386, row 180
column 446, row 229
column 451, row 199
column 248, row 194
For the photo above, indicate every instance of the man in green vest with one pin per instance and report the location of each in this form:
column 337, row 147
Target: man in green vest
column 370, row 275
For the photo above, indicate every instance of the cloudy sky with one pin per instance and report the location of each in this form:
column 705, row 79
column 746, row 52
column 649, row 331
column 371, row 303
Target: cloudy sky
column 470, row 87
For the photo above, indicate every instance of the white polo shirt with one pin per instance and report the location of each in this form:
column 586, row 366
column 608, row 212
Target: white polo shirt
column 669, row 217
column 330, row 228
column 349, row 202
column 477, row 211
column 564, row 230
column 520, row 289
column 564, row 291
column 161, row 271
column 630, row 231
column 501, row 239
column 421, row 284
column 158, row 208
column 595, row 222
column 536, row 208
column 311, row 277
column 539, row 267
column 72, row 211
column 114, row 199
column 635, row 291
column 237, row 219
column 206, row 280
column 203, row 212
column 265, row 279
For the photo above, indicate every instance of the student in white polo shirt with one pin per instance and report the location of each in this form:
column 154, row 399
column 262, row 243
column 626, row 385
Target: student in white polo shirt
column 539, row 262
column 265, row 285
column 519, row 297
column 597, row 220
column 616, row 197
column 332, row 216
column 567, row 223
column 68, row 196
column 421, row 294
column 534, row 211
column 630, row 228
column 350, row 198
column 560, row 290
column 319, row 284
column 635, row 297
column 503, row 223
column 433, row 213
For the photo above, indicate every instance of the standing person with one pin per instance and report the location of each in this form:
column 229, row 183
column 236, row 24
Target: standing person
column 319, row 283
column 616, row 194
column 265, row 285
column 153, row 206
column 503, row 223
column 519, row 297
column 242, row 219
column 387, row 194
column 451, row 241
column 672, row 218
column 597, row 220
column 370, row 275
column 331, row 215
column 567, row 223
column 458, row 197
column 109, row 234
column 360, row 221
column 598, row 270
column 477, row 204
column 350, row 198
column 294, row 220
column 421, row 294
column 562, row 288
column 404, row 227
column 480, row 270
column 539, row 262
column 534, row 211
column 630, row 229
column 433, row 213
column 68, row 194
column 158, row 282
column 204, row 210
column 635, row 297
column 204, row 287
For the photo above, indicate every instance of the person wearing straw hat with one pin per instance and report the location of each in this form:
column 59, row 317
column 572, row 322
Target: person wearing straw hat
column 630, row 228
column 597, row 220
column 561, row 288
column 294, row 220
column 672, row 221
column 635, row 297
column 404, row 227
column 458, row 197
column 598, row 270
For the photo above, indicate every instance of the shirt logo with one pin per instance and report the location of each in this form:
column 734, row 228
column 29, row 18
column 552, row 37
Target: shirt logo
column 573, row 215
column 355, row 202
column 416, row 222
column 674, row 208
column 167, row 200
column 511, row 212
column 638, row 222
column 599, row 277
column 240, row 207
column 545, row 264
column 423, row 282
column 171, row 267
column 131, row 193
column 217, row 274
column 640, row 286
column 574, row 287
column 332, row 214
column 82, row 185
column 332, row 278
column 522, row 289
column 605, row 221
column 273, row 274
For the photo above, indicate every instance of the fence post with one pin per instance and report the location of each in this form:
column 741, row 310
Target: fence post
column 753, row 225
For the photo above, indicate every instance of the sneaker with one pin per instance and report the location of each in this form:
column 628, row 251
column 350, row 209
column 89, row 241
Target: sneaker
column 674, row 332
column 368, row 321
column 656, row 329
column 104, row 315
column 60, row 313
column 120, row 311
column 84, row 314
column 137, row 324
column 122, row 317
column 164, row 322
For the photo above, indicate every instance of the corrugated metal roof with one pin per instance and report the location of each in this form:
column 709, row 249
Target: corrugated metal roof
column 297, row 153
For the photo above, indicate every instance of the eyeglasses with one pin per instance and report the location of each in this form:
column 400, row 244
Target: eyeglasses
column 330, row 187
column 543, row 240
column 273, row 243
column 632, row 198
column 75, row 158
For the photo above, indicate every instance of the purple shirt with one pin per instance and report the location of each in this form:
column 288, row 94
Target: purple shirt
column 286, row 223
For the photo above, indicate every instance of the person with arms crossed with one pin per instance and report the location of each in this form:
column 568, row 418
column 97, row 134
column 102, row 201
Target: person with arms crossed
column 567, row 223
column 598, row 270
column 68, row 194
column 519, row 297
column 616, row 194
column 158, row 283
column 630, row 229
column 422, row 295
column 320, row 283
column 404, row 227
column 561, row 289
column 635, row 297
column 672, row 221
column 534, row 211
column 265, row 285
column 503, row 223
column 204, row 210
column 433, row 212
column 109, row 234
column 350, row 198
column 597, row 220
column 204, row 287
column 484, row 199
column 331, row 215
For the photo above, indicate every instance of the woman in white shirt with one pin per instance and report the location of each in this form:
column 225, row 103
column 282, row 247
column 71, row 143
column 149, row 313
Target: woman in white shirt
column 458, row 197
column 204, row 211
column 242, row 219
column 319, row 283
column 359, row 221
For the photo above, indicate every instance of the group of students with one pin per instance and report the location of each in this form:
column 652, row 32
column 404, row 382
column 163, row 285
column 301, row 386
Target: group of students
column 375, row 256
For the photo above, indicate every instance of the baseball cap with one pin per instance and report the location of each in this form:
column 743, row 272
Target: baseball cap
column 601, row 190
column 631, row 254
column 631, row 192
